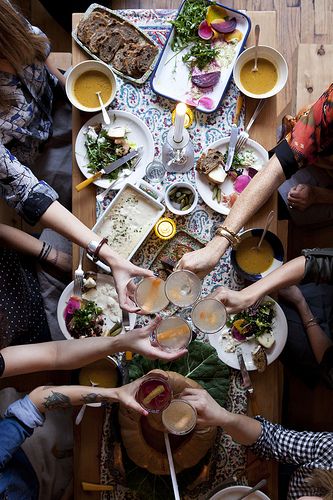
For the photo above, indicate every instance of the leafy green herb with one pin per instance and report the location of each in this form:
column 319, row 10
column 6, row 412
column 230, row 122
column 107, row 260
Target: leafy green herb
column 200, row 55
column 258, row 320
column 187, row 23
column 87, row 321
column 201, row 364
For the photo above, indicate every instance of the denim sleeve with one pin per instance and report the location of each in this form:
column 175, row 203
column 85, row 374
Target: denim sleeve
column 27, row 412
column 13, row 433
column 22, row 190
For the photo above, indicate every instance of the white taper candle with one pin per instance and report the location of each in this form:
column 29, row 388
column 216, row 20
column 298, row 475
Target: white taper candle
column 179, row 122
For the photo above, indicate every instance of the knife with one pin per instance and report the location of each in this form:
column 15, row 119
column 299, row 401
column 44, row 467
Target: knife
column 247, row 384
column 231, row 147
column 109, row 168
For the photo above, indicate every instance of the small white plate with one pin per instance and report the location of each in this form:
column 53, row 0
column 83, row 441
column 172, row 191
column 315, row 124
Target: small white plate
column 234, row 492
column 66, row 295
column 202, row 181
column 139, row 134
column 279, row 329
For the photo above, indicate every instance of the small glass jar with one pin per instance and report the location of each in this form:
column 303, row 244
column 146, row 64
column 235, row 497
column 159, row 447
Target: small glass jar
column 155, row 172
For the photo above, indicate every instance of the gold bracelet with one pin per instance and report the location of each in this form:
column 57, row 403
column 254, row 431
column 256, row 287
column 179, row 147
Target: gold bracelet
column 232, row 239
column 229, row 231
column 311, row 322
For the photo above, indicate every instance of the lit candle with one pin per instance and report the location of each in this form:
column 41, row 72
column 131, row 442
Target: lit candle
column 179, row 122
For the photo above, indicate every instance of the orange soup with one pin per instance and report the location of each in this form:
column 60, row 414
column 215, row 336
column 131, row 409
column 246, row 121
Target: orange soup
column 261, row 81
column 251, row 259
column 86, row 86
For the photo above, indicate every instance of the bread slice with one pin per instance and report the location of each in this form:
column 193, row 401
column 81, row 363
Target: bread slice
column 259, row 358
column 209, row 161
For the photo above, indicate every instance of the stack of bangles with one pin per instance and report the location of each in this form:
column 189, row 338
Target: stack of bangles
column 228, row 234
column 311, row 322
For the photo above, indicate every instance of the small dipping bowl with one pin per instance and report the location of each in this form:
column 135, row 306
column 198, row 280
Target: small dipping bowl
column 179, row 418
column 173, row 334
column 271, row 55
column 150, row 296
column 104, row 372
column 187, row 193
column 154, row 393
column 249, row 239
column 81, row 68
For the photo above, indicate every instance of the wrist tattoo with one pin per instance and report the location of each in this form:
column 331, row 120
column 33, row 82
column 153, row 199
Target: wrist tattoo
column 57, row 400
column 92, row 397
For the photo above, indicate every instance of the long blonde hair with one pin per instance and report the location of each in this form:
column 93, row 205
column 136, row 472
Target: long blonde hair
column 322, row 479
column 18, row 44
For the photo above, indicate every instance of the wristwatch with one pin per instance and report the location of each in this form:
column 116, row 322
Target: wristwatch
column 94, row 247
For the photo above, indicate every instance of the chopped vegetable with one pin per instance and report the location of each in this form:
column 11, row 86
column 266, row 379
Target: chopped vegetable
column 73, row 304
column 205, row 80
column 86, row 321
column 205, row 32
column 241, row 182
column 223, row 26
column 200, row 55
column 255, row 321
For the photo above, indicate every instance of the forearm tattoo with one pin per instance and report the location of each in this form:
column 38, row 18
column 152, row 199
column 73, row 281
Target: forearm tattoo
column 56, row 400
column 94, row 398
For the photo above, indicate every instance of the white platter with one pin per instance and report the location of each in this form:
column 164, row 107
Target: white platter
column 202, row 181
column 139, row 134
column 171, row 77
column 279, row 328
column 66, row 295
column 235, row 492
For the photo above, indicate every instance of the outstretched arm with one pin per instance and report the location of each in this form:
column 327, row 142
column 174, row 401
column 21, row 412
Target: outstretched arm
column 72, row 354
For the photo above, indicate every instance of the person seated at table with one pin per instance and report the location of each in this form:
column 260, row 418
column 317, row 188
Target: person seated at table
column 24, row 125
column 309, row 144
column 309, row 347
column 311, row 452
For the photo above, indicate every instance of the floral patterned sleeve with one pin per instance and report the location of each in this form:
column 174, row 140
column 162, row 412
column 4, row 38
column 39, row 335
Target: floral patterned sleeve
column 22, row 190
column 311, row 137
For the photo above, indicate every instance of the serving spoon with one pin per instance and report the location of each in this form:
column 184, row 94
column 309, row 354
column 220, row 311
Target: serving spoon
column 257, row 487
column 256, row 35
column 106, row 117
column 79, row 416
column 268, row 222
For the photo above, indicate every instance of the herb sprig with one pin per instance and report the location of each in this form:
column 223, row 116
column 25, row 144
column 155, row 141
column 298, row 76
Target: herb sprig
column 186, row 24
column 200, row 55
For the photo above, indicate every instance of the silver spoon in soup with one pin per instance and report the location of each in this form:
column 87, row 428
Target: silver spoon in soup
column 256, row 36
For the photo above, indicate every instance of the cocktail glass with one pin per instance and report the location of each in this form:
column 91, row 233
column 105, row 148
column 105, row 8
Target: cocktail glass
column 180, row 417
column 173, row 334
column 183, row 288
column 149, row 295
column 209, row 315
column 154, row 393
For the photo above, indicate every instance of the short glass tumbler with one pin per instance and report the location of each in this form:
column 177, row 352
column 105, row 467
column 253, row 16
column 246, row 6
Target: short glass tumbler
column 155, row 172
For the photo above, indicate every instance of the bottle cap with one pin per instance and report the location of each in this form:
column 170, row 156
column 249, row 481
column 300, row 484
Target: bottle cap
column 165, row 228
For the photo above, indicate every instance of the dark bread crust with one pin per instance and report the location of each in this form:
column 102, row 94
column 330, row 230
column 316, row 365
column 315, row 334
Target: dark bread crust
column 208, row 161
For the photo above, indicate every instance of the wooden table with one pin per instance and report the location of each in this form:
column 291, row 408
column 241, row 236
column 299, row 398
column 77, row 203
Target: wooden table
column 268, row 388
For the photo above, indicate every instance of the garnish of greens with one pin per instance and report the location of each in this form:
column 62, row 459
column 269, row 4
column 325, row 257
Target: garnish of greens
column 256, row 321
column 186, row 33
column 102, row 150
column 87, row 321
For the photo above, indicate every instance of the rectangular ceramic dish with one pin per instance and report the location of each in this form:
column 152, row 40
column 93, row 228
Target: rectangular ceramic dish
column 129, row 218
column 112, row 13
column 171, row 77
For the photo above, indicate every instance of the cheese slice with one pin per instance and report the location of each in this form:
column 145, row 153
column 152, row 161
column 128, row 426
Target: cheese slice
column 217, row 175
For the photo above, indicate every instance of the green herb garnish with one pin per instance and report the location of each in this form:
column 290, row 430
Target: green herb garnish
column 258, row 321
column 200, row 55
column 187, row 23
column 87, row 321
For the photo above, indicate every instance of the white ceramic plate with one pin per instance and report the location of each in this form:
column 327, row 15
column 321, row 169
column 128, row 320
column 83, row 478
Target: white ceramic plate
column 279, row 328
column 68, row 292
column 171, row 77
column 139, row 134
column 202, row 181
column 234, row 492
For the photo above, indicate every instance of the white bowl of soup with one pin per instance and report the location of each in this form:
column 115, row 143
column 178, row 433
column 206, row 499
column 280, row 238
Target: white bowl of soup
column 87, row 78
column 252, row 263
column 270, row 78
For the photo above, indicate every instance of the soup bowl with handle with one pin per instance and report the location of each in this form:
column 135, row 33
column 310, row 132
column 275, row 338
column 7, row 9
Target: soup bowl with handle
column 255, row 234
column 271, row 55
column 79, row 70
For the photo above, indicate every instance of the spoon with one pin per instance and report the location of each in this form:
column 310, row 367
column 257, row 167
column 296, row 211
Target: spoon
column 106, row 117
column 79, row 416
column 268, row 222
column 256, row 34
column 252, row 490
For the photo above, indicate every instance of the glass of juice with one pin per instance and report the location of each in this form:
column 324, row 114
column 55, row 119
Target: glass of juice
column 173, row 334
column 150, row 296
column 209, row 315
column 183, row 288
column 154, row 393
column 180, row 417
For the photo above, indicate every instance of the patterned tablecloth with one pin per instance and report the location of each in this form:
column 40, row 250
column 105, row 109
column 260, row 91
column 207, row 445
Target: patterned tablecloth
column 155, row 111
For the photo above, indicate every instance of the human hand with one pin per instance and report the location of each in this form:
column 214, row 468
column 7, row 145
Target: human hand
column 234, row 301
column 126, row 395
column 123, row 271
column 138, row 340
column 301, row 196
column 203, row 261
column 209, row 412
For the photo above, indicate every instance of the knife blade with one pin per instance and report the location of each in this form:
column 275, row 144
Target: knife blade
column 109, row 168
column 231, row 147
column 247, row 384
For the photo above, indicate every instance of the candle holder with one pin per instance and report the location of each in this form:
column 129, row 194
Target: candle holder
column 178, row 156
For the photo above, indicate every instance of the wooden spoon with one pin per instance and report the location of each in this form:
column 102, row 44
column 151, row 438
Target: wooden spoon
column 256, row 34
column 268, row 222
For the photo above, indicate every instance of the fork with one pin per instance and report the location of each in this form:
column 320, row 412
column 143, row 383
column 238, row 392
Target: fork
column 243, row 136
column 78, row 276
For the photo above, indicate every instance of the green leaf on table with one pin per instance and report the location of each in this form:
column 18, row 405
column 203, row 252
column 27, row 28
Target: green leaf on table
column 201, row 364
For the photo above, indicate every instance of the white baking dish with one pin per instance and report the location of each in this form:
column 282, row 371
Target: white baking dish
column 129, row 218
